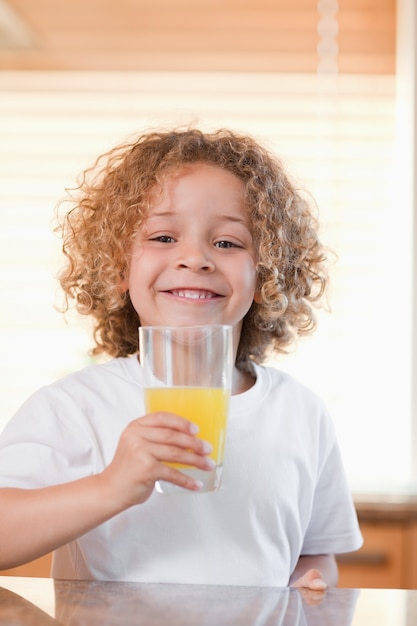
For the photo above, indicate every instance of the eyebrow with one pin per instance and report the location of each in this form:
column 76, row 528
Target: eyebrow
column 161, row 214
column 234, row 218
column 225, row 218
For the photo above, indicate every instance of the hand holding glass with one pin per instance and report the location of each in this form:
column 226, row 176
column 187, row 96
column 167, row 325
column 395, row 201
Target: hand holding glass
column 188, row 371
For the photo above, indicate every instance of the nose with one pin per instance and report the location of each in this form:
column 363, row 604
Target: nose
column 195, row 257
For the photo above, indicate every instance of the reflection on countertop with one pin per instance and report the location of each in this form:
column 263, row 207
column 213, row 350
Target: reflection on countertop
column 75, row 603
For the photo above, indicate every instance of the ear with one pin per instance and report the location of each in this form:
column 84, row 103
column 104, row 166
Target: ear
column 124, row 285
column 257, row 297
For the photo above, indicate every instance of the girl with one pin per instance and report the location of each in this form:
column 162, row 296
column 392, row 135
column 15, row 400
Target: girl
column 181, row 228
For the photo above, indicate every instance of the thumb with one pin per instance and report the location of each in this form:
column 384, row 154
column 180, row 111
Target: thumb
column 312, row 579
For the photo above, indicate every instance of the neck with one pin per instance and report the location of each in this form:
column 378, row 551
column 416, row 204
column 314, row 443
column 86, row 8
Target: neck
column 242, row 381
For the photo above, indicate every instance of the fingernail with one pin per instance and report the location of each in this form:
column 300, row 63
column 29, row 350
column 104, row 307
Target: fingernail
column 207, row 447
column 194, row 429
column 318, row 583
column 210, row 464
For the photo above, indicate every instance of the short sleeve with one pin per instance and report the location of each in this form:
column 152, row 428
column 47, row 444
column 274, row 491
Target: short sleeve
column 45, row 443
column 333, row 527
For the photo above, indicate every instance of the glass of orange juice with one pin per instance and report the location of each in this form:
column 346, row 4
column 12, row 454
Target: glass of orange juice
column 187, row 370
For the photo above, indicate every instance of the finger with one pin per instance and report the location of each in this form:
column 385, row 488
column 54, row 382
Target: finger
column 168, row 436
column 312, row 598
column 179, row 456
column 178, row 478
column 168, row 420
column 173, row 442
column 317, row 584
column 312, row 579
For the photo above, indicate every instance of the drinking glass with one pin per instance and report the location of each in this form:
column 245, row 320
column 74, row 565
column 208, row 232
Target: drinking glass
column 188, row 371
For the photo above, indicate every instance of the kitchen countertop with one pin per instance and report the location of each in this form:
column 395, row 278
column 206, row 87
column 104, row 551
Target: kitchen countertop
column 45, row 602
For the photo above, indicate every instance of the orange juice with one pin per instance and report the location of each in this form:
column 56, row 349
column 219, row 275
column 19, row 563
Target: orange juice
column 206, row 407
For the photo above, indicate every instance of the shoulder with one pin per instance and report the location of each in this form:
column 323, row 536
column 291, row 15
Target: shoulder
column 292, row 404
column 274, row 381
column 115, row 372
column 94, row 389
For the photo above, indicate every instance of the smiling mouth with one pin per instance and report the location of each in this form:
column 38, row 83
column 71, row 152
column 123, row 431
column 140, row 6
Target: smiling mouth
column 194, row 294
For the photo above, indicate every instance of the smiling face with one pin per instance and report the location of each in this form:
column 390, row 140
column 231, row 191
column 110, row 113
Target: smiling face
column 193, row 262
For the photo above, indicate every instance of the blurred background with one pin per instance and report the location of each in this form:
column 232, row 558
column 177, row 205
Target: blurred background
column 329, row 86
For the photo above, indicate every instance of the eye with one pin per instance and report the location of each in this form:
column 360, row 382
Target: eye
column 163, row 239
column 226, row 244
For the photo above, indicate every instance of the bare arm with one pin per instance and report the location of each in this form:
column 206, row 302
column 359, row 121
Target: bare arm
column 315, row 572
column 36, row 521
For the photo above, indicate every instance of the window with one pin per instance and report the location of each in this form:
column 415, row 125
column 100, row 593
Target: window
column 338, row 139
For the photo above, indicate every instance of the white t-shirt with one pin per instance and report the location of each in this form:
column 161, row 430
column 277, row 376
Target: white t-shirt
column 284, row 491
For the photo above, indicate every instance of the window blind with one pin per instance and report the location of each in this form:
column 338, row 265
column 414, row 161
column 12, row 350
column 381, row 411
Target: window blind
column 337, row 137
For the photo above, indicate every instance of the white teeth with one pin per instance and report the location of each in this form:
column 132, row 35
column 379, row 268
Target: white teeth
column 195, row 295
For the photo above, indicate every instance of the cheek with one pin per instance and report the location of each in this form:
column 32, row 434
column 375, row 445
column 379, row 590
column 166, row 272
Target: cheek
column 145, row 268
column 137, row 267
column 247, row 273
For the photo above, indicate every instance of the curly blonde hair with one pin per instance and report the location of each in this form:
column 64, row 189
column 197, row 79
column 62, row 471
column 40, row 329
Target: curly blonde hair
column 111, row 203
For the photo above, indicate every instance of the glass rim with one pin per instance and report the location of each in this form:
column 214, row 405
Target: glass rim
column 185, row 327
